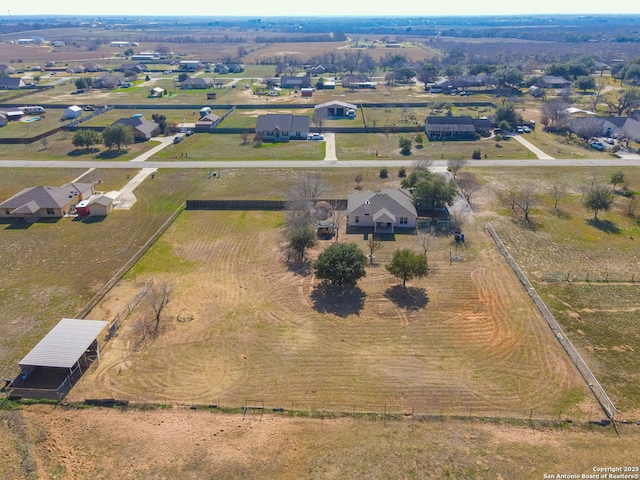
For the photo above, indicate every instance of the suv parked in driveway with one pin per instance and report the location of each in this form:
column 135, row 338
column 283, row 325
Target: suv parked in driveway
column 315, row 136
column 178, row 139
column 597, row 145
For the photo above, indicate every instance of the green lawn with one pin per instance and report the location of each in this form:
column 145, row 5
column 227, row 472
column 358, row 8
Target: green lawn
column 207, row 146
column 365, row 145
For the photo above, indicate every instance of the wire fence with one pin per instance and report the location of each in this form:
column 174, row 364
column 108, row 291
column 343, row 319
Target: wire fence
column 595, row 386
column 592, row 277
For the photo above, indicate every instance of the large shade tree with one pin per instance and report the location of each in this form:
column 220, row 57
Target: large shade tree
column 407, row 265
column 341, row 264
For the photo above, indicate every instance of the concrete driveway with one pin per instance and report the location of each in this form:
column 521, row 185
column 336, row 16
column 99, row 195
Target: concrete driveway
column 330, row 147
column 539, row 153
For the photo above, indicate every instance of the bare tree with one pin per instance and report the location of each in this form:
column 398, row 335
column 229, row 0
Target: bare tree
column 422, row 164
column 338, row 217
column 373, row 244
column 319, row 117
column 558, row 190
column 525, row 201
column 587, row 127
column 158, row 297
column 600, row 84
column 468, row 185
column 555, row 110
column 633, row 205
column 426, row 238
column 302, row 197
column 459, row 217
column 454, row 165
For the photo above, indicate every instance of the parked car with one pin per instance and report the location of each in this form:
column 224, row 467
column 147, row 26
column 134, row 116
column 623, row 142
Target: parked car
column 188, row 133
column 519, row 130
column 526, row 129
column 597, row 145
column 178, row 139
column 315, row 136
column 89, row 108
column 610, row 141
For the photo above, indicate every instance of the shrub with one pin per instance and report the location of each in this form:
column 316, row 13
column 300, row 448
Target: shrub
column 477, row 154
column 384, row 172
column 402, row 172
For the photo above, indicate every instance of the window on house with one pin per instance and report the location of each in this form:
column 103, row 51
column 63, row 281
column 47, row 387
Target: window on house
column 357, row 219
column 8, row 212
column 404, row 220
column 50, row 211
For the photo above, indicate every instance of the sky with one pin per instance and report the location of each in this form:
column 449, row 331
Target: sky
column 259, row 8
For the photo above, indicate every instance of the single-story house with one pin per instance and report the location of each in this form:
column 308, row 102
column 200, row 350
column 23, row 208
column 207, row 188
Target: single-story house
column 74, row 111
column 335, row 108
column 207, row 123
column 358, row 81
column 551, row 81
column 11, row 83
column 535, row 91
column 384, row 211
column 329, row 85
column 295, row 82
column 142, row 129
column 190, row 65
column 199, row 82
column 470, row 81
column 221, row 68
column 461, row 128
column 33, row 203
column 282, row 127
column 322, row 69
column 135, row 67
column 7, row 70
column 607, row 127
column 233, row 68
column 91, row 67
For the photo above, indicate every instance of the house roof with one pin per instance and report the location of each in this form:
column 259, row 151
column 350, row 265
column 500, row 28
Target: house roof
column 196, row 81
column 283, row 121
column 210, row 118
column 74, row 108
column 45, row 197
column 63, row 346
column 387, row 203
column 449, row 124
column 554, row 80
column 337, row 103
column 139, row 124
column 10, row 82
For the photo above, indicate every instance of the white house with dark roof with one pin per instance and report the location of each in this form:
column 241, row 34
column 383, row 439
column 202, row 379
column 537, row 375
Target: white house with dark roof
column 384, row 211
column 11, row 83
column 142, row 129
column 196, row 82
column 282, row 127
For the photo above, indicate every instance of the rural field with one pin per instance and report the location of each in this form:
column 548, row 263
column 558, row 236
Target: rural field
column 464, row 340
column 587, row 271
column 61, row 443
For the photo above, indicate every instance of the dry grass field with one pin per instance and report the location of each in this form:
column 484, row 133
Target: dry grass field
column 61, row 443
column 464, row 340
column 598, row 306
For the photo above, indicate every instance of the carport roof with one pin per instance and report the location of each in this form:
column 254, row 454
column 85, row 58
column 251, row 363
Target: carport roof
column 63, row 346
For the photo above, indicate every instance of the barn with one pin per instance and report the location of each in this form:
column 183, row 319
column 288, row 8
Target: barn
column 58, row 361
column 73, row 111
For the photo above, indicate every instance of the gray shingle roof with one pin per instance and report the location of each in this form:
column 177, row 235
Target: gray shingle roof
column 47, row 197
column 286, row 122
column 389, row 201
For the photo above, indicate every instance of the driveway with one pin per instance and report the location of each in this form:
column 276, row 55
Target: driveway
column 330, row 147
column 539, row 153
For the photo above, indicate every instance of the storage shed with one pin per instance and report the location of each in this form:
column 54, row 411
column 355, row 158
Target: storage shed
column 58, row 361
column 73, row 111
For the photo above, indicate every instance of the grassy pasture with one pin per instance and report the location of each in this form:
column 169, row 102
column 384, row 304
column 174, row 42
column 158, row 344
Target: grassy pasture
column 352, row 146
column 599, row 306
column 43, row 278
column 466, row 339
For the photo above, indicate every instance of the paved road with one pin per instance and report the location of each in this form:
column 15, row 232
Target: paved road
column 439, row 164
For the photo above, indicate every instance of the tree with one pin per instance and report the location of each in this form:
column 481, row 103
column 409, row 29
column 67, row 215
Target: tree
column 617, row 178
column 384, row 172
column 405, row 145
column 86, row 138
column 182, row 77
column 585, row 83
column 599, row 198
column 300, row 240
column 455, row 165
column 477, row 154
column 341, row 264
column 626, row 101
column 373, row 244
column 507, row 76
column 468, row 185
column 404, row 74
column 525, row 201
column 419, row 139
column 558, row 190
column 556, row 110
column 118, row 136
column 358, row 180
column 433, row 191
column 319, row 117
column 161, row 120
column 158, row 298
column 83, row 82
column 507, row 113
column 407, row 265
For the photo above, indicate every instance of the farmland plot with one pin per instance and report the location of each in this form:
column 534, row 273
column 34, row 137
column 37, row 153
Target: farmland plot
column 465, row 339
